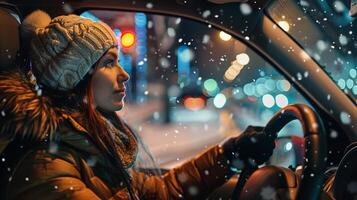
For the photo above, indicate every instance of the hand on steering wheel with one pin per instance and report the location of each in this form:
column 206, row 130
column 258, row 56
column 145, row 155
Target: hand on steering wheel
column 315, row 150
column 252, row 147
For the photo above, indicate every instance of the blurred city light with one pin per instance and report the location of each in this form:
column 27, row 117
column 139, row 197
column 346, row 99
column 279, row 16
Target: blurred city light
column 341, row 83
column 89, row 15
column 194, row 103
column 219, row 100
column 242, row 58
column 268, row 100
column 284, row 25
column 353, row 73
column 349, row 83
column 184, row 57
column 140, row 20
column 224, row 36
column 233, row 71
column 173, row 91
column 288, row 146
column 283, row 85
column 141, row 53
column 237, row 93
column 270, row 84
column 211, row 87
column 261, row 90
column 127, row 39
column 281, row 100
column 249, row 89
column 354, row 89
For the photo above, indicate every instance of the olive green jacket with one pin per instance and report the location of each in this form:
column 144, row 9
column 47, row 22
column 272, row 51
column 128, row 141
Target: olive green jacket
column 72, row 167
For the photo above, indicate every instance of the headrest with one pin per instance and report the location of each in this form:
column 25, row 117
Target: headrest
column 9, row 38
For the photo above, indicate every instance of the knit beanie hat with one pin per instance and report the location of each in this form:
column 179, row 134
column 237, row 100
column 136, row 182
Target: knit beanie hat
column 64, row 49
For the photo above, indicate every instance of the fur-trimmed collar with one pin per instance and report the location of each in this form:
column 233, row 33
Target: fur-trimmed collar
column 28, row 116
column 25, row 114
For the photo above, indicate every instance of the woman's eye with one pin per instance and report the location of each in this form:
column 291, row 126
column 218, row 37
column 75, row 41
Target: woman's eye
column 109, row 63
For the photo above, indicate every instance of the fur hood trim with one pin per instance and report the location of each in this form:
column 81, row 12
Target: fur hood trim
column 24, row 113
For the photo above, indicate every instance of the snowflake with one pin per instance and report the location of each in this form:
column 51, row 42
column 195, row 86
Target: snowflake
column 67, row 8
column 206, row 13
column 333, row 134
column 345, row 118
column 53, row 148
column 352, row 187
column 245, row 9
column 268, row 193
column 182, row 177
column 193, row 190
column 149, row 5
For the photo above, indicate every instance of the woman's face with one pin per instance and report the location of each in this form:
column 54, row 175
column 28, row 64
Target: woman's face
column 108, row 82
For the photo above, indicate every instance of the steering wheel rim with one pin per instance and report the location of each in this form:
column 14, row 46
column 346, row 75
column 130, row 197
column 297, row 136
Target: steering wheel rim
column 315, row 150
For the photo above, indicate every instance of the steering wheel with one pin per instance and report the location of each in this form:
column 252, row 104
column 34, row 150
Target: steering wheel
column 315, row 150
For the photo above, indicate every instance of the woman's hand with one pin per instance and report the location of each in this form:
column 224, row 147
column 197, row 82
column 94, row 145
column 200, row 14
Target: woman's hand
column 252, row 147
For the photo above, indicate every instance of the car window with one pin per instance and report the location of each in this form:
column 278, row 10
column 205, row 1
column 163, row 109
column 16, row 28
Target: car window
column 328, row 34
column 192, row 86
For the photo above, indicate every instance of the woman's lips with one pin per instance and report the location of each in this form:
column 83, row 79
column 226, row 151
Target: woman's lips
column 120, row 92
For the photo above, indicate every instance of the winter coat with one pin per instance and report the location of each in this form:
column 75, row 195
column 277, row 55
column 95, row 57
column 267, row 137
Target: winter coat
column 74, row 168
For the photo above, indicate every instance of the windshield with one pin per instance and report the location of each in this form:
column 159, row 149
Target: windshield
column 327, row 33
column 193, row 86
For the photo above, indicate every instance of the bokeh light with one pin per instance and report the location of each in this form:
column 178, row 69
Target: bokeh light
column 284, row 25
column 127, row 39
column 224, row 36
column 242, row 58
column 281, row 100
column 288, row 146
column 268, row 100
column 341, row 83
column 211, row 87
column 219, row 100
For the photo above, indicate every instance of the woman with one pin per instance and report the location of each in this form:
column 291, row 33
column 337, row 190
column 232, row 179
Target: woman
column 61, row 138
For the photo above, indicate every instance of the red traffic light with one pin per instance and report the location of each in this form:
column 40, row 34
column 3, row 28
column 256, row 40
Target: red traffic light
column 127, row 39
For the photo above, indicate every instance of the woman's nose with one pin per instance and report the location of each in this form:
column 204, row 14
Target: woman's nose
column 123, row 76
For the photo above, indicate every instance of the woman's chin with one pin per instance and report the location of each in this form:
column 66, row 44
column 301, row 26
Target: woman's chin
column 112, row 107
column 118, row 106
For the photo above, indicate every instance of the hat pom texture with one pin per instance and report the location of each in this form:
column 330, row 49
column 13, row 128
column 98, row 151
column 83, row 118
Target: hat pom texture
column 64, row 49
column 35, row 20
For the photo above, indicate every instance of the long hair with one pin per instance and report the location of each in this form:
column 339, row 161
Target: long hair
column 100, row 135
column 91, row 118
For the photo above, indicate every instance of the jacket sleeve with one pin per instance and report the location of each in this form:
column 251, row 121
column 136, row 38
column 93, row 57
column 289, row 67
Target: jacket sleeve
column 195, row 179
column 41, row 175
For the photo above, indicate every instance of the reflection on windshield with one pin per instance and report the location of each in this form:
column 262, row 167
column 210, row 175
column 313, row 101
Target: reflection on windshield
column 327, row 33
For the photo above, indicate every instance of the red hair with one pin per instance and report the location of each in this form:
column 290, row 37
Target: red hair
column 100, row 135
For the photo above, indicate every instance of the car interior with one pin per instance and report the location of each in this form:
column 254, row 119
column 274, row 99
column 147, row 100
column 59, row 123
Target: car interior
column 327, row 169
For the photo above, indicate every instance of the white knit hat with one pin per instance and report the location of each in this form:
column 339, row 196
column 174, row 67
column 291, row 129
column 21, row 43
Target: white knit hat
column 64, row 49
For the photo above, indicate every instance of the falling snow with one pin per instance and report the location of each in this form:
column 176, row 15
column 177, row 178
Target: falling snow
column 245, row 9
column 333, row 134
column 205, row 39
column 352, row 187
column 345, row 118
column 206, row 13
column 149, row 5
column 268, row 193
column 193, row 190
